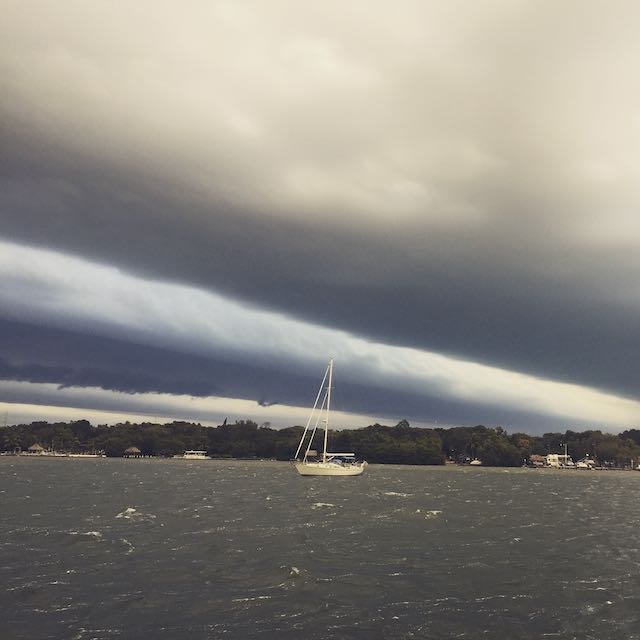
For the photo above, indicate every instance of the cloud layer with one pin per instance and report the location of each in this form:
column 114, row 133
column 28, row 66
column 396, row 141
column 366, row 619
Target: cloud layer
column 442, row 178
column 110, row 330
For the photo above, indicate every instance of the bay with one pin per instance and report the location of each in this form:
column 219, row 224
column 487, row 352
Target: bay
column 112, row 548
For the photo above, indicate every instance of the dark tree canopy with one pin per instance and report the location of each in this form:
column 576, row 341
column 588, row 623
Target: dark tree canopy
column 400, row 444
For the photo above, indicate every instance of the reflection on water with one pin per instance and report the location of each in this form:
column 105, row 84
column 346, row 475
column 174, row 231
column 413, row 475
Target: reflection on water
column 210, row 549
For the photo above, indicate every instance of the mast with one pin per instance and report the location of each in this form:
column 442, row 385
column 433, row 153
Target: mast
column 306, row 429
column 326, row 422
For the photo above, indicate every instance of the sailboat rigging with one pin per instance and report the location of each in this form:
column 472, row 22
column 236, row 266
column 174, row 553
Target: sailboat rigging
column 329, row 464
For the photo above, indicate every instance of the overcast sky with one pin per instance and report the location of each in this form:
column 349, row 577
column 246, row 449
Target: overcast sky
column 201, row 202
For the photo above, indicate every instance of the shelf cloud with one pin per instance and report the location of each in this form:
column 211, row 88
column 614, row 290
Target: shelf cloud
column 209, row 203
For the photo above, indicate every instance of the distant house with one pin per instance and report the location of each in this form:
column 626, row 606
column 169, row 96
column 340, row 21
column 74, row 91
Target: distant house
column 558, row 460
column 36, row 449
column 132, row 452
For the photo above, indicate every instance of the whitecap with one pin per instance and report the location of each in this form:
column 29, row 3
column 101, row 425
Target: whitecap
column 251, row 599
column 130, row 548
column 318, row 505
column 89, row 534
column 94, row 534
column 133, row 514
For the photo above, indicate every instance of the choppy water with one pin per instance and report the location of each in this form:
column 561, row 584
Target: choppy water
column 212, row 549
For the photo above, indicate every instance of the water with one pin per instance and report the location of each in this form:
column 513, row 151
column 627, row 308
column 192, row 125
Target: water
column 229, row 549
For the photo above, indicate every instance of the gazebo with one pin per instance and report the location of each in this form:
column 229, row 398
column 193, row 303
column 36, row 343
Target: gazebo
column 36, row 449
column 132, row 452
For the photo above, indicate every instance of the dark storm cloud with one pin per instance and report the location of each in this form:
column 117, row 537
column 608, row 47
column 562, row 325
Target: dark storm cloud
column 531, row 304
column 68, row 358
column 71, row 359
column 420, row 177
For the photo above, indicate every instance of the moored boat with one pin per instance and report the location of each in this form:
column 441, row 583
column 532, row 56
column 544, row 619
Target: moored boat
column 194, row 454
column 328, row 464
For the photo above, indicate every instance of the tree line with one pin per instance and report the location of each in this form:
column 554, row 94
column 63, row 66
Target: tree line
column 399, row 444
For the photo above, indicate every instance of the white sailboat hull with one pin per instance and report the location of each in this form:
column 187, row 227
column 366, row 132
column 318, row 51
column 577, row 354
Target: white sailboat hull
column 329, row 469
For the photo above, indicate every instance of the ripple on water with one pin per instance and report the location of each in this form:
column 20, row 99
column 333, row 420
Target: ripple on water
column 396, row 553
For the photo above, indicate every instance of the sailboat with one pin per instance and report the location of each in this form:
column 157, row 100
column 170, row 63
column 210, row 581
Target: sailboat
column 306, row 460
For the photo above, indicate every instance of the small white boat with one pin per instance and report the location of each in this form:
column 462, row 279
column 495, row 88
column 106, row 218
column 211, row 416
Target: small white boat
column 329, row 464
column 194, row 454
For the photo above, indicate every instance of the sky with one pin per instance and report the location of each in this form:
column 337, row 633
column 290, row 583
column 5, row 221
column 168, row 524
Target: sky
column 201, row 203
